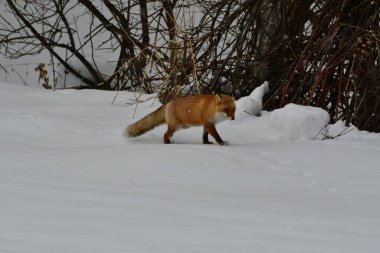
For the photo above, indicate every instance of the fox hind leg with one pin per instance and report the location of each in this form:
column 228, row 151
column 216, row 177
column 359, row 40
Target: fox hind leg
column 205, row 136
column 169, row 133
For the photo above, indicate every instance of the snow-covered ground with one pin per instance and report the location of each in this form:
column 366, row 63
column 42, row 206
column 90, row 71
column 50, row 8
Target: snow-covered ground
column 70, row 182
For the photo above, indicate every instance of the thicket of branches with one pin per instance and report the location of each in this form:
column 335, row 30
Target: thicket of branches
column 314, row 52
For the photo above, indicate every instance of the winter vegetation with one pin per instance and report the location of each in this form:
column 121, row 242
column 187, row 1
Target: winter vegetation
column 319, row 53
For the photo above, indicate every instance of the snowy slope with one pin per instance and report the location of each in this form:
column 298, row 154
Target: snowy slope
column 69, row 181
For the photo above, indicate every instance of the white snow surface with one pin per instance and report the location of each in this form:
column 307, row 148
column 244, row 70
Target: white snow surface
column 70, row 182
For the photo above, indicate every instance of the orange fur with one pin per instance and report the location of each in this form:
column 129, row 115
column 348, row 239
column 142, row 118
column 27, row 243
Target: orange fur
column 182, row 112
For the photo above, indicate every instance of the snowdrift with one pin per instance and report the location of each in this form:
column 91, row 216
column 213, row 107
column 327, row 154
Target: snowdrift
column 70, row 182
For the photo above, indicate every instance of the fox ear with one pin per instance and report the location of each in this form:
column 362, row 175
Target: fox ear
column 217, row 99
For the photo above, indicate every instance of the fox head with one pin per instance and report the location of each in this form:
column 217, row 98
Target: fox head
column 226, row 105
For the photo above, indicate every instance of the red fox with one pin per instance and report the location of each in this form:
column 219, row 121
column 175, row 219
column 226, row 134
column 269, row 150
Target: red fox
column 183, row 112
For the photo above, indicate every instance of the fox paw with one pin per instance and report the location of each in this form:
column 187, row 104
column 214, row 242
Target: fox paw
column 224, row 143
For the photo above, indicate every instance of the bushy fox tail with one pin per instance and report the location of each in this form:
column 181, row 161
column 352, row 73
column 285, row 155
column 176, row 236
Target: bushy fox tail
column 147, row 123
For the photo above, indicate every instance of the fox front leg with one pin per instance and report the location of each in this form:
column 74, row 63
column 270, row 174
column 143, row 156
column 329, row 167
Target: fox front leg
column 212, row 130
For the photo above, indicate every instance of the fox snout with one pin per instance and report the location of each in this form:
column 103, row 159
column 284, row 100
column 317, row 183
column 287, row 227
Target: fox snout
column 231, row 115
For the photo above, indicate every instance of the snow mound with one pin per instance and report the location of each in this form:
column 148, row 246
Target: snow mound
column 293, row 122
column 296, row 122
column 253, row 103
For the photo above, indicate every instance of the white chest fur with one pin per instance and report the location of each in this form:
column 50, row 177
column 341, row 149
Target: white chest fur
column 218, row 117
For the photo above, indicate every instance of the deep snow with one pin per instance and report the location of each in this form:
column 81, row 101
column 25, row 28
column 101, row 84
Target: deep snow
column 70, row 182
